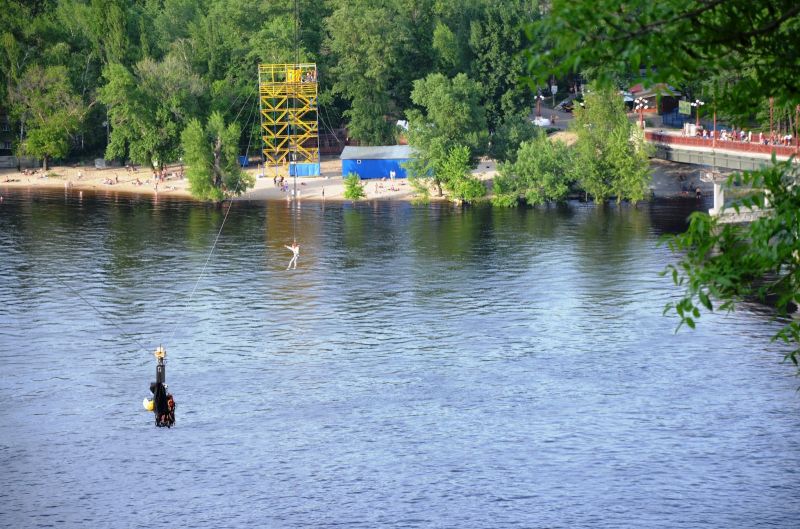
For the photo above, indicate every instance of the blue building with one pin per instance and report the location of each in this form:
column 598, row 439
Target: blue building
column 376, row 162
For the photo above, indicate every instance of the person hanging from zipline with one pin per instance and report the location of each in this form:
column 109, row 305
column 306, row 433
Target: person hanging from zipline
column 163, row 403
column 295, row 249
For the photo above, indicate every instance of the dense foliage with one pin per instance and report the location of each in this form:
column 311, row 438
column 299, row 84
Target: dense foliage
column 451, row 117
column 211, row 153
column 723, row 264
column 48, row 108
column 741, row 53
column 611, row 158
column 454, row 172
column 509, row 135
column 148, row 67
column 543, row 172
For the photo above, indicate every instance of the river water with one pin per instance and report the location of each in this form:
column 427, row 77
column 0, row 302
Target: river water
column 424, row 366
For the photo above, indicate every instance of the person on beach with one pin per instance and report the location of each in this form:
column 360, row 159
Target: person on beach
column 295, row 249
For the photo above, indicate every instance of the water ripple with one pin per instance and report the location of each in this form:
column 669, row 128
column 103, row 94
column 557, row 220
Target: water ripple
column 423, row 367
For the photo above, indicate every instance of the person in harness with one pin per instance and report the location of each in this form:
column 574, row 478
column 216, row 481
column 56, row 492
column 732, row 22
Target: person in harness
column 163, row 402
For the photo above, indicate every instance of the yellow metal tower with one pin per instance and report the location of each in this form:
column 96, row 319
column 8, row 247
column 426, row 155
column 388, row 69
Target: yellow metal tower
column 289, row 118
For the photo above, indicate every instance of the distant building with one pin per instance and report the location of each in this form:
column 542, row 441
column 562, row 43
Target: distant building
column 661, row 98
column 376, row 162
column 6, row 135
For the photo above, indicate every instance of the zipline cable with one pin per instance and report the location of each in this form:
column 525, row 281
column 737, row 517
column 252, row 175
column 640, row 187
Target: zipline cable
column 98, row 311
column 230, row 204
column 327, row 126
column 123, row 332
column 294, row 114
column 216, row 239
column 234, row 102
column 245, row 103
column 247, row 126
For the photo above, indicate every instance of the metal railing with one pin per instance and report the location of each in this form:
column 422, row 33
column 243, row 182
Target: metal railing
column 732, row 145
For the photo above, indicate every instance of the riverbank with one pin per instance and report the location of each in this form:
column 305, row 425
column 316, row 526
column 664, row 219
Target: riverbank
column 329, row 185
column 669, row 180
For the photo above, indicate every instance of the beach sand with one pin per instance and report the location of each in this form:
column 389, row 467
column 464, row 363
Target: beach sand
column 668, row 181
column 88, row 178
column 330, row 185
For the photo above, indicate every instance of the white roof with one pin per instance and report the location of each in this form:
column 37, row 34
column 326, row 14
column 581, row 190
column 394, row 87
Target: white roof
column 381, row 152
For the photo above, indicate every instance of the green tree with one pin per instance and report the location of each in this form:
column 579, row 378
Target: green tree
column 724, row 264
column 148, row 107
column 497, row 39
column 212, row 157
column 368, row 39
column 751, row 46
column 448, row 51
column 452, row 116
column 455, row 174
column 49, row 109
column 14, row 50
column 611, row 155
column 353, row 188
column 110, row 26
column 451, row 34
column 543, row 172
column 509, row 135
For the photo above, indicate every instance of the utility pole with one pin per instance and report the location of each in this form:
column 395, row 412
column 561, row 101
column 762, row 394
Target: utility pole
column 697, row 104
column 771, row 107
column 538, row 98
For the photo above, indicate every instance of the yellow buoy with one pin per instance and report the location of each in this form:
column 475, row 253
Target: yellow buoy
column 148, row 404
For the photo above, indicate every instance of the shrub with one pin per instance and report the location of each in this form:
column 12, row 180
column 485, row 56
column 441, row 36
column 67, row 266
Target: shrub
column 353, row 188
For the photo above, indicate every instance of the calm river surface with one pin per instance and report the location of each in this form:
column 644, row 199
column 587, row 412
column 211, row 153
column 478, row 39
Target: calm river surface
column 424, row 366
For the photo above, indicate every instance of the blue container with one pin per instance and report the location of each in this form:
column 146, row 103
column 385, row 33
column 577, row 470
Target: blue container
column 368, row 169
column 304, row 169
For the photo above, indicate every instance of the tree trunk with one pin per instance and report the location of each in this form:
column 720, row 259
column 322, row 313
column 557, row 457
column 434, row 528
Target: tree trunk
column 45, row 160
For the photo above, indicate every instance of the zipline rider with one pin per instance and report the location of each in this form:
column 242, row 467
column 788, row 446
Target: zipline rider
column 163, row 404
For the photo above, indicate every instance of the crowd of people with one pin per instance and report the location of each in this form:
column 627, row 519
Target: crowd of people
column 745, row 136
column 380, row 185
column 159, row 177
column 294, row 76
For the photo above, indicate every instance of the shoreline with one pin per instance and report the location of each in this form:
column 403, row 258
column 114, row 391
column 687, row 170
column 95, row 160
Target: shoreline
column 669, row 180
column 328, row 186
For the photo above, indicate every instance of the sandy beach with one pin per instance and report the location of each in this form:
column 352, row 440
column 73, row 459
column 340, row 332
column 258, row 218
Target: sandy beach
column 669, row 179
column 328, row 186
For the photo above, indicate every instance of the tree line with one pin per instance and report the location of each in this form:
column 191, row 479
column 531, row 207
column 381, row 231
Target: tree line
column 142, row 70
